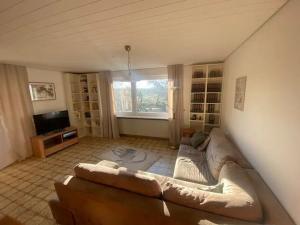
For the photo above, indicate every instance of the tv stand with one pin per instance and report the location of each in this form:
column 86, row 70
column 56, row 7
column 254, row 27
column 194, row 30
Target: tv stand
column 47, row 144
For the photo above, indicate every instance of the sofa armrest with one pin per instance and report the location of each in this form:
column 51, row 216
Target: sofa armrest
column 107, row 205
column 60, row 213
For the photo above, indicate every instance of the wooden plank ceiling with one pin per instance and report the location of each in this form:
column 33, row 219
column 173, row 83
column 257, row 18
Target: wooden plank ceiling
column 89, row 35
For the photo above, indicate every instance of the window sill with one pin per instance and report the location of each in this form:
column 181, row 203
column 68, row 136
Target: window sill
column 142, row 118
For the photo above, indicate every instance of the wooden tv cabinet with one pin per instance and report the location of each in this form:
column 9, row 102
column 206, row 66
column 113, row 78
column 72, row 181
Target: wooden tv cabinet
column 44, row 145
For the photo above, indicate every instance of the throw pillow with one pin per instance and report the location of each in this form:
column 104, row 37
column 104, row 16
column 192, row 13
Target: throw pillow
column 204, row 145
column 197, row 139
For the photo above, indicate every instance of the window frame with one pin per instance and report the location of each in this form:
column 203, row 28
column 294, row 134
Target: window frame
column 142, row 115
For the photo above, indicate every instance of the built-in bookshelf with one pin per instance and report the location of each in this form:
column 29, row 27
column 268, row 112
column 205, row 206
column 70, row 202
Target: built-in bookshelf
column 206, row 95
column 83, row 103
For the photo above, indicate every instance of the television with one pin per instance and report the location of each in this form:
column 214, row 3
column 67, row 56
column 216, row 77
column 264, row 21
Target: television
column 52, row 121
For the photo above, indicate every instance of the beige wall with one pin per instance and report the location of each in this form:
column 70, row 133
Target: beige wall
column 268, row 131
column 37, row 75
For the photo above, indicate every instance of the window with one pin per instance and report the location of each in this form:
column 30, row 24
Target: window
column 152, row 96
column 142, row 98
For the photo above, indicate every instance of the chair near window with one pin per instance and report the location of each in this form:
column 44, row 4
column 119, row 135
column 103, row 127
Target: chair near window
column 187, row 132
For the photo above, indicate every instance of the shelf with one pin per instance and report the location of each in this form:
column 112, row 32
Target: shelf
column 203, row 92
column 198, row 80
column 212, row 125
column 207, row 87
column 214, row 78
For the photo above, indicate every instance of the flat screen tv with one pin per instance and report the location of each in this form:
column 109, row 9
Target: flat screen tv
column 52, row 121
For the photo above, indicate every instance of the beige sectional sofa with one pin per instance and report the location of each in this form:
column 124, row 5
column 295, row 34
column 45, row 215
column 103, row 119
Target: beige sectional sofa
column 213, row 186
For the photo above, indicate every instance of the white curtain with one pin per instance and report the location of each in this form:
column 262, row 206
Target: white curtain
column 109, row 121
column 175, row 80
column 16, row 125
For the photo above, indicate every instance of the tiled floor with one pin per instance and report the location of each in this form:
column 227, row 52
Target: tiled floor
column 25, row 187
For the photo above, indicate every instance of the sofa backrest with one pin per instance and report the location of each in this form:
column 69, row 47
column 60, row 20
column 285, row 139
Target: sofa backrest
column 235, row 196
column 120, row 178
column 220, row 150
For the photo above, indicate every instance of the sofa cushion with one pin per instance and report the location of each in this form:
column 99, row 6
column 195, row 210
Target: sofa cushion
column 108, row 163
column 120, row 178
column 204, row 145
column 201, row 147
column 237, row 198
column 220, row 150
column 191, row 166
column 197, row 139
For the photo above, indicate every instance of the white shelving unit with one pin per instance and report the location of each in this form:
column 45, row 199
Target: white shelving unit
column 82, row 91
column 206, row 95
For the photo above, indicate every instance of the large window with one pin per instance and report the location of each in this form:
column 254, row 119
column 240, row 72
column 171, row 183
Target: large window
column 142, row 98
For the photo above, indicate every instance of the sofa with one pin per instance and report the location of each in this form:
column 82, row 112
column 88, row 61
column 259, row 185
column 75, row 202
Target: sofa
column 211, row 185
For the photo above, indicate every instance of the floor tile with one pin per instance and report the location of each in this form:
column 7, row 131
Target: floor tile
column 26, row 187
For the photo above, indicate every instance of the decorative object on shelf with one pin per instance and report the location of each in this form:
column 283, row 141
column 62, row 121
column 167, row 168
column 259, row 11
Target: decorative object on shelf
column 41, row 91
column 240, row 90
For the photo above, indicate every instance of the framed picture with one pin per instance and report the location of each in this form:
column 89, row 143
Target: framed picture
column 240, row 90
column 40, row 91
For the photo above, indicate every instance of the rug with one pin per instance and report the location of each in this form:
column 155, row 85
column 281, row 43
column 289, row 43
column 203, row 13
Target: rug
column 134, row 159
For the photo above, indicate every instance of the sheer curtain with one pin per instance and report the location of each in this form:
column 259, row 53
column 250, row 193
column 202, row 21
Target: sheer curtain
column 16, row 125
column 175, row 79
column 109, row 121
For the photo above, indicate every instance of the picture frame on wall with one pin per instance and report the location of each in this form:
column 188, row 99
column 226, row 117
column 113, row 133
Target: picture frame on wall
column 42, row 91
column 240, row 91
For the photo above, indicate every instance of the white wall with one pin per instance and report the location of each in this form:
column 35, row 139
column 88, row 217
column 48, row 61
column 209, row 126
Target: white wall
column 268, row 131
column 37, row 75
column 144, row 127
